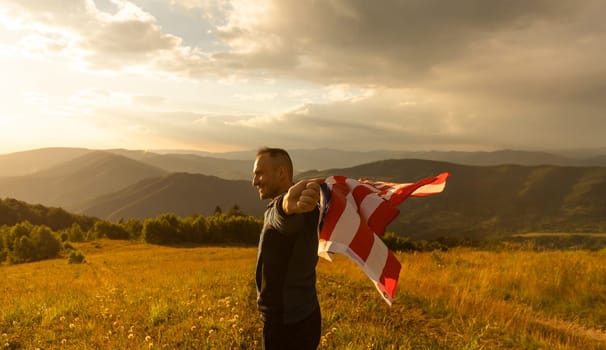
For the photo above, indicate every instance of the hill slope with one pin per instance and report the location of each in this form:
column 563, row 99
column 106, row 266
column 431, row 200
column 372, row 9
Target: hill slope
column 13, row 211
column 233, row 169
column 77, row 180
column 180, row 193
column 42, row 160
column 29, row 162
column 188, row 163
column 483, row 201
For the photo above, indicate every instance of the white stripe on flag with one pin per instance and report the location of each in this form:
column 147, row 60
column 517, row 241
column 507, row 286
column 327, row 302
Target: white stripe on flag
column 369, row 204
column 430, row 189
column 342, row 232
column 376, row 260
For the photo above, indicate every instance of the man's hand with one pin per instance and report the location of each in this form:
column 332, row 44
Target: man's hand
column 302, row 196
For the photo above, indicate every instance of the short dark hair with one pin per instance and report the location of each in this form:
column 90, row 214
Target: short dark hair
column 278, row 154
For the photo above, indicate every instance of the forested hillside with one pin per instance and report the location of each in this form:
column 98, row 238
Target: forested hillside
column 13, row 211
column 481, row 202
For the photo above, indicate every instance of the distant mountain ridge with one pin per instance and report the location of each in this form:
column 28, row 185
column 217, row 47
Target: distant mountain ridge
column 77, row 180
column 180, row 193
column 36, row 161
column 319, row 159
column 238, row 165
column 29, row 162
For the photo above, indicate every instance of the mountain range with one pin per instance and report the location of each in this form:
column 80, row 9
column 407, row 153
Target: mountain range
column 520, row 192
column 36, row 162
column 307, row 159
column 77, row 180
column 238, row 165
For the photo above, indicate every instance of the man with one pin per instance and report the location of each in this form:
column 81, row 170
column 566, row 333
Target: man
column 288, row 254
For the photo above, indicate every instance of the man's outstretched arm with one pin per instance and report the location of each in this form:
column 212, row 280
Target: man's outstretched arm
column 302, row 196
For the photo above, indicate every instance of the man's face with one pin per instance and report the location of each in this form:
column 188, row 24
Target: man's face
column 266, row 177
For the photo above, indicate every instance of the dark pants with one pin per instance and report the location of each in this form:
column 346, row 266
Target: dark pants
column 302, row 335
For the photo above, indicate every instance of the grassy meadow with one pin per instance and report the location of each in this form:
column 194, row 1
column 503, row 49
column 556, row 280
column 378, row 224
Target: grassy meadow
column 130, row 295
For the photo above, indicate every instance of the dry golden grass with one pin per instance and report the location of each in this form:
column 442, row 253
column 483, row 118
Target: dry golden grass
column 137, row 296
column 559, row 234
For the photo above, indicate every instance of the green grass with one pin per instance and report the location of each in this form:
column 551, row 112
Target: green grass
column 136, row 296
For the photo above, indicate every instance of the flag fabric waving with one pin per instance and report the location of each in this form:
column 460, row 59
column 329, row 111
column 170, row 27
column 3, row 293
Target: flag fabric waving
column 355, row 214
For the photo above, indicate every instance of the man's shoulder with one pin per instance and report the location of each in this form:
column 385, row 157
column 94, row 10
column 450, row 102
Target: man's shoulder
column 275, row 205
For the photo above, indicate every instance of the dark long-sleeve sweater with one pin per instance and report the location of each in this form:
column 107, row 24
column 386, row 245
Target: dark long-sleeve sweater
column 286, row 264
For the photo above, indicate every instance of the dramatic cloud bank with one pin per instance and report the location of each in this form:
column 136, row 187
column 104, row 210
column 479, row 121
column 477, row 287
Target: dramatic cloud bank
column 352, row 74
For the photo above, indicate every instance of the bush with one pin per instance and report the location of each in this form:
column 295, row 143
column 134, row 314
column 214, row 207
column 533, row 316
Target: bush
column 397, row 243
column 25, row 242
column 164, row 229
column 23, row 250
column 46, row 245
column 75, row 233
column 106, row 229
column 219, row 228
column 234, row 229
column 19, row 230
column 152, row 232
column 3, row 235
column 75, row 257
column 198, row 225
column 134, row 228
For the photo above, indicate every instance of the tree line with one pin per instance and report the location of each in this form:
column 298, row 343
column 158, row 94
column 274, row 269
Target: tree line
column 13, row 211
column 45, row 238
column 34, row 232
column 45, row 233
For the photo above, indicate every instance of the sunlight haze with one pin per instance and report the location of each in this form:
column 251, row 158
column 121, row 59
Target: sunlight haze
column 358, row 75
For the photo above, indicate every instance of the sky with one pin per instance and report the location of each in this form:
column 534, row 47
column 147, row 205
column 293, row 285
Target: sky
column 231, row 75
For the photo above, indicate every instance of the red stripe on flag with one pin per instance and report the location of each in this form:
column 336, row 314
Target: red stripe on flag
column 384, row 214
column 391, row 273
column 404, row 192
column 337, row 204
column 362, row 242
column 360, row 192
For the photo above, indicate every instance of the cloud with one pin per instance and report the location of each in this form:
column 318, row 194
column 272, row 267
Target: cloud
column 130, row 37
column 385, row 119
column 390, row 74
column 513, row 74
column 358, row 123
column 390, row 43
column 257, row 97
column 146, row 100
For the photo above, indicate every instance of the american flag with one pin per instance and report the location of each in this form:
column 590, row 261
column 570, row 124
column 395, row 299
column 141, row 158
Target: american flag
column 355, row 214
